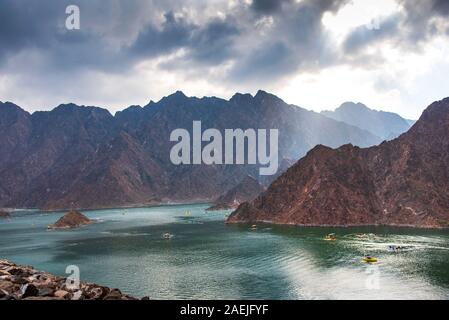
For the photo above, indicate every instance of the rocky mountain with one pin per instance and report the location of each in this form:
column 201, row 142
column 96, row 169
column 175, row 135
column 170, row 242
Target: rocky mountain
column 385, row 125
column 247, row 190
column 71, row 220
column 401, row 182
column 84, row 157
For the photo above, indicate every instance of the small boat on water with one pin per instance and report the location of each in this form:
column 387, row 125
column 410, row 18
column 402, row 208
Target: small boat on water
column 167, row 236
column 253, row 227
column 331, row 237
column 394, row 248
column 369, row 259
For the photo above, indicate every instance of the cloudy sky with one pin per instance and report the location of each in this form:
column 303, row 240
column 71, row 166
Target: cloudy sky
column 389, row 54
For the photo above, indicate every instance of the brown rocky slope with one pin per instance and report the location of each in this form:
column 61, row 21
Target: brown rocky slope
column 403, row 182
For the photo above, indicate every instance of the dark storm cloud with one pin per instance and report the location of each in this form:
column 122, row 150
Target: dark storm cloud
column 270, row 61
column 22, row 26
column 419, row 22
column 205, row 44
column 214, row 42
column 174, row 33
column 362, row 35
column 268, row 6
column 113, row 36
column 441, row 7
column 38, row 27
column 264, row 40
column 297, row 40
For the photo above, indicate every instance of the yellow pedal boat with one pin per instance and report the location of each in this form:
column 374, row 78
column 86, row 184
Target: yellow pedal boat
column 370, row 260
column 331, row 237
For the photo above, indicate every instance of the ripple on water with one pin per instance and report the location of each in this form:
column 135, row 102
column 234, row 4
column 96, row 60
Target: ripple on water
column 208, row 260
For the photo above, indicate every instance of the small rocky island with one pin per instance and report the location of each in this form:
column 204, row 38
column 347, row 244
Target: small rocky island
column 71, row 220
column 4, row 214
column 26, row 283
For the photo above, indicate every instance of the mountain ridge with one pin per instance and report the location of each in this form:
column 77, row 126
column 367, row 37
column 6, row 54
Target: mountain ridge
column 85, row 157
column 386, row 125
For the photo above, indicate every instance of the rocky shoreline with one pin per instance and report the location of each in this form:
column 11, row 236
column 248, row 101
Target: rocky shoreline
column 25, row 283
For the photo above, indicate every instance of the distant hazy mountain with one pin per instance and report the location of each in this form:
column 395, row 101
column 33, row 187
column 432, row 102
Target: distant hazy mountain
column 385, row 125
column 400, row 182
column 247, row 190
column 84, row 157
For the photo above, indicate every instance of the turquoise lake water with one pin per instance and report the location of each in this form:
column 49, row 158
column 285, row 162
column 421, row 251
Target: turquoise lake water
column 207, row 259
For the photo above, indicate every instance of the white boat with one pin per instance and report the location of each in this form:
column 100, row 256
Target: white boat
column 167, row 236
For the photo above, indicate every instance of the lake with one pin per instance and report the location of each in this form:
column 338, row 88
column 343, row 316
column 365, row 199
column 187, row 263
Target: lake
column 207, row 259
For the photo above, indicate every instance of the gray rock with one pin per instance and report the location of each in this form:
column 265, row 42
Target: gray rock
column 46, row 292
column 6, row 285
column 97, row 293
column 62, row 294
column 115, row 294
column 29, row 290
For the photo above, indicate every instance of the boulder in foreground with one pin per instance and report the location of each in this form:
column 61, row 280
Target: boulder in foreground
column 73, row 219
column 26, row 283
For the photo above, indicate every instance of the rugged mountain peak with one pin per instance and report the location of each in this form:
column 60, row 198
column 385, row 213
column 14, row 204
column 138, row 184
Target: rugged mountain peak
column 261, row 94
column 10, row 113
column 437, row 111
column 352, row 106
column 267, row 99
column 74, row 108
column 129, row 110
column 433, row 123
column 134, row 107
column 386, row 125
column 176, row 97
column 9, row 106
column 241, row 97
